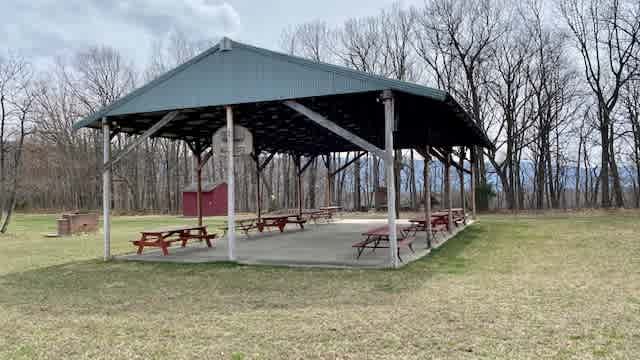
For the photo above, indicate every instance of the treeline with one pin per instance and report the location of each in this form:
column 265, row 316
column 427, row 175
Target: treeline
column 555, row 87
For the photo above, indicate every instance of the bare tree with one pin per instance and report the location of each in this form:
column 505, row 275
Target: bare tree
column 15, row 108
column 607, row 35
column 465, row 31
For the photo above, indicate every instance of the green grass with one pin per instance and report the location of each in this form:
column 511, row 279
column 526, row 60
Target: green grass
column 554, row 286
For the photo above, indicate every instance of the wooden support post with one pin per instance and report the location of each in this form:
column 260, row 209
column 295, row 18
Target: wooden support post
column 461, row 176
column 299, row 178
column 258, row 187
column 473, row 183
column 447, row 189
column 106, row 187
column 389, row 122
column 199, row 181
column 231, row 210
column 327, row 194
column 427, row 196
column 259, row 168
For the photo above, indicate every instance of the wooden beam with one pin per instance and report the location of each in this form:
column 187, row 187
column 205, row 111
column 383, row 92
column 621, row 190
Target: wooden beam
column 266, row 162
column 147, row 134
column 334, row 128
column 348, row 163
column 440, row 156
column 205, row 159
column 306, row 165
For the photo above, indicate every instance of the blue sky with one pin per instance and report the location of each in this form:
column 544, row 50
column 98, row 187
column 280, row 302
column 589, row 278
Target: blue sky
column 43, row 29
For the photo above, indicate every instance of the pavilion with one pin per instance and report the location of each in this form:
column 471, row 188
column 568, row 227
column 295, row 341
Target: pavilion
column 291, row 106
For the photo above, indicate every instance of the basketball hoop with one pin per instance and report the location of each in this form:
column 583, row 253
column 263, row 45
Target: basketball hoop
column 242, row 141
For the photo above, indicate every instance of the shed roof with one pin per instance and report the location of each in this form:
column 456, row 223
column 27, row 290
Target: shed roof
column 257, row 80
column 206, row 186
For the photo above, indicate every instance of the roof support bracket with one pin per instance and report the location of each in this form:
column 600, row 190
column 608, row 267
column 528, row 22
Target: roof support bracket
column 358, row 156
column 147, row 134
column 306, row 165
column 334, row 128
column 264, row 164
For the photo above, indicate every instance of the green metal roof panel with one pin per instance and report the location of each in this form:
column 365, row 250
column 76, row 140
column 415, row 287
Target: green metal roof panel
column 247, row 74
column 240, row 76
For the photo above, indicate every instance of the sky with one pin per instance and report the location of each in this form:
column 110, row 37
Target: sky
column 44, row 29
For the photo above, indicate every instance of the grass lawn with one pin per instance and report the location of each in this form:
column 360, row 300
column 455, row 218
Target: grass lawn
column 529, row 287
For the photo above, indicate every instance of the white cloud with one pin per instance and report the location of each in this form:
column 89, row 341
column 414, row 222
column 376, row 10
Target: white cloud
column 43, row 28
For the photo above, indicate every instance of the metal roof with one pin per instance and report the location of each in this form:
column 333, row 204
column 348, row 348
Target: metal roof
column 257, row 80
column 206, row 186
column 246, row 74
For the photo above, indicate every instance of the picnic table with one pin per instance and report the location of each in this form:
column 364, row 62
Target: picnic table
column 316, row 215
column 459, row 216
column 244, row 225
column 331, row 209
column 164, row 237
column 378, row 238
column 439, row 221
column 279, row 221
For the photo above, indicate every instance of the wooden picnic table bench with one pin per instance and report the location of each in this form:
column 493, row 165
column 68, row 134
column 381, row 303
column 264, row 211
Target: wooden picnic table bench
column 438, row 224
column 315, row 215
column 378, row 238
column 164, row 237
column 244, row 225
column 279, row 221
column 459, row 216
column 330, row 211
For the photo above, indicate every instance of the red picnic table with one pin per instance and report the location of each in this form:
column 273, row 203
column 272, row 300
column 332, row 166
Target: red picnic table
column 279, row 221
column 164, row 237
column 439, row 222
column 244, row 225
column 330, row 211
column 378, row 238
column 315, row 215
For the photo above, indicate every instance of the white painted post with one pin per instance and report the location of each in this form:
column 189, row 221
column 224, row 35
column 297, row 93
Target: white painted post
column 231, row 211
column 389, row 122
column 106, row 188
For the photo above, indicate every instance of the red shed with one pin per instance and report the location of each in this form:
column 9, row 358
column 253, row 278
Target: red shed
column 214, row 199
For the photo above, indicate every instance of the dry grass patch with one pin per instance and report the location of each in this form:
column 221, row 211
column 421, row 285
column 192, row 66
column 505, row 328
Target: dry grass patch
column 559, row 286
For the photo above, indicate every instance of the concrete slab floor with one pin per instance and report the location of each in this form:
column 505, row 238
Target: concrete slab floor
column 318, row 245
